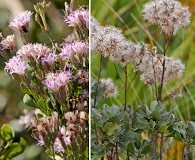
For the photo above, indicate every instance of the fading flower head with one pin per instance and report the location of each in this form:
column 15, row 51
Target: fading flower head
column 21, row 21
column 54, row 81
column 151, row 66
column 109, row 41
column 169, row 14
column 110, row 88
column 16, row 65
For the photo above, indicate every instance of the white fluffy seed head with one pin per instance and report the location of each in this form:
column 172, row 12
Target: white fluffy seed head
column 110, row 88
column 170, row 15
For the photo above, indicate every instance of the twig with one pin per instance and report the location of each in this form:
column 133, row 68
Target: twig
column 159, row 97
column 126, row 86
column 161, row 145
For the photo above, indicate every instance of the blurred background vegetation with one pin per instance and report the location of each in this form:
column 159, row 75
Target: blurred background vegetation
column 127, row 15
column 11, row 105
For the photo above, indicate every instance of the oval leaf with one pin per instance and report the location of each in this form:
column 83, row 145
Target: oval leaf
column 29, row 101
column 7, row 132
column 110, row 127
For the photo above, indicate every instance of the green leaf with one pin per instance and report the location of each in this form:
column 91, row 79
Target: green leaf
column 29, row 101
column 70, row 157
column 156, row 115
column 24, row 88
column 42, row 105
column 152, row 124
column 114, row 110
column 163, row 128
column 179, row 128
column 140, row 113
column 15, row 149
column 190, row 128
column 153, row 105
column 145, row 147
column 7, row 132
column 141, row 123
column 95, row 112
column 110, row 127
column 131, row 148
column 97, row 150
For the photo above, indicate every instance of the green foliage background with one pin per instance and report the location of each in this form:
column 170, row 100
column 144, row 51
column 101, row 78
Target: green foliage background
column 127, row 16
column 11, row 105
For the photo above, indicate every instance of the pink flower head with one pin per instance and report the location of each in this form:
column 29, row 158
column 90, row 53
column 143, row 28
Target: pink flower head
column 41, row 140
column 36, row 50
column 16, row 65
column 49, row 59
column 54, row 81
column 73, row 48
column 67, row 140
column 8, row 43
column 58, row 148
column 21, row 21
column 78, row 18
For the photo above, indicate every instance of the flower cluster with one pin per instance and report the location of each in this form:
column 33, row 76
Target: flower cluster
column 8, row 43
column 63, row 134
column 16, row 65
column 118, row 49
column 57, row 81
column 151, row 66
column 169, row 14
column 21, row 21
column 69, row 49
column 33, row 52
column 110, row 88
column 114, row 44
column 78, row 19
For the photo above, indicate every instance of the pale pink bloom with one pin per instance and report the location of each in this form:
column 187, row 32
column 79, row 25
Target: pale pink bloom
column 49, row 59
column 80, row 47
column 9, row 42
column 36, row 50
column 54, row 81
column 41, row 140
column 62, row 130
column 69, row 49
column 78, row 18
column 67, row 140
column 58, row 148
column 16, row 65
column 21, row 21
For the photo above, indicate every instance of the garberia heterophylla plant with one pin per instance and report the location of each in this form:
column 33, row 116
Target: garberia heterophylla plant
column 55, row 81
column 139, row 132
